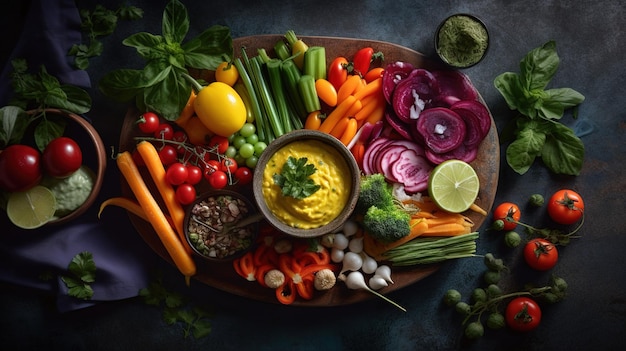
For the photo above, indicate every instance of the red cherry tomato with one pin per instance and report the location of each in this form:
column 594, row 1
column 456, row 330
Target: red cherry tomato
column 194, row 174
column 523, row 314
column 20, row 168
column 168, row 155
column 148, row 122
column 566, row 207
column 210, row 167
column 177, row 173
column 338, row 71
column 540, row 254
column 185, row 193
column 218, row 179
column 181, row 137
column 62, row 157
column 165, row 131
column 219, row 142
column 243, row 175
column 228, row 165
column 509, row 213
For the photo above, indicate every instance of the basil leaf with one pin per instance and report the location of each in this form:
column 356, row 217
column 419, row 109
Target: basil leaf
column 539, row 66
column 73, row 99
column 154, row 72
column 521, row 153
column 122, row 84
column 14, row 121
column 146, row 44
column 47, row 130
column 209, row 48
column 557, row 100
column 174, row 89
column 175, row 22
column 563, row 151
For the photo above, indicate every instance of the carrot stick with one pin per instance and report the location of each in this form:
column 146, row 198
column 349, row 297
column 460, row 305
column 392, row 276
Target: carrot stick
column 349, row 132
column 370, row 104
column 347, row 88
column 450, row 229
column 474, row 207
column 340, row 127
column 151, row 158
column 370, row 88
column 376, row 249
column 377, row 114
column 182, row 259
column 340, row 111
column 129, row 205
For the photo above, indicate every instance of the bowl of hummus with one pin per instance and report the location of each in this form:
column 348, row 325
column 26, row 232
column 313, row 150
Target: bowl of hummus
column 306, row 183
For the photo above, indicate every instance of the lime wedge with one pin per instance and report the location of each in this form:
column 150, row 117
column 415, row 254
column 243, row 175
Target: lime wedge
column 32, row 208
column 453, row 185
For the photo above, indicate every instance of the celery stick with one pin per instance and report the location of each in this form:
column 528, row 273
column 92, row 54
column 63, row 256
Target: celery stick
column 315, row 62
column 306, row 87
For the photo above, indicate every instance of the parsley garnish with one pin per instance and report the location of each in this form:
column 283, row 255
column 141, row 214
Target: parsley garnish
column 294, row 178
column 194, row 319
column 82, row 271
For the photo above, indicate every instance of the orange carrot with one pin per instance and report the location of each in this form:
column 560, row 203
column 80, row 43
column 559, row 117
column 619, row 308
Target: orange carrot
column 129, row 205
column 349, row 132
column 370, row 88
column 450, row 229
column 358, row 151
column 340, row 127
column 474, row 207
column 370, row 105
column 348, row 88
column 339, row 112
column 182, row 259
column 377, row 114
column 374, row 73
column 150, row 156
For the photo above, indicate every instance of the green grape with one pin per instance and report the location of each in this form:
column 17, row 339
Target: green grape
column 238, row 141
column 247, row 130
column 252, row 139
column 259, row 148
column 231, row 151
column 252, row 161
column 246, row 150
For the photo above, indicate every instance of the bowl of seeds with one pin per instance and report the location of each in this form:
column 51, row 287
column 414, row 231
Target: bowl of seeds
column 221, row 225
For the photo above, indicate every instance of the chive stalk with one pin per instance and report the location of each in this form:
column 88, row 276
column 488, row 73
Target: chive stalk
column 429, row 250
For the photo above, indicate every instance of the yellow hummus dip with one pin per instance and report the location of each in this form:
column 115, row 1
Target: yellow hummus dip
column 318, row 209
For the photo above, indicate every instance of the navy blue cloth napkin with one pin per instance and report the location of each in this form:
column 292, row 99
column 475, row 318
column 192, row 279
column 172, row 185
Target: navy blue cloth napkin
column 38, row 258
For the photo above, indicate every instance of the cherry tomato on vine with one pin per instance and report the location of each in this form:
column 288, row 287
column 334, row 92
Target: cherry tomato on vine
column 523, row 314
column 338, row 71
column 218, row 179
column 194, row 174
column 210, row 167
column 168, row 155
column 148, row 122
column 566, row 206
column 243, row 175
column 220, row 143
column 540, row 254
column 181, row 137
column 61, row 157
column 20, row 168
column 185, row 193
column 177, row 173
column 228, row 165
column 164, row 131
column 226, row 72
column 509, row 213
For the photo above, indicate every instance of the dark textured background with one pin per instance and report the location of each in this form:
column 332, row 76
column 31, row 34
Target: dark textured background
column 590, row 41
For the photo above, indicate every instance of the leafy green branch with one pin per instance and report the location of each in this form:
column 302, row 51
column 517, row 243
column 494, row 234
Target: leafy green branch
column 537, row 130
column 82, row 273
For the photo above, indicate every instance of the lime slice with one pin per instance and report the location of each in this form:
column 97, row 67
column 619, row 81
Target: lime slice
column 453, row 185
column 32, row 208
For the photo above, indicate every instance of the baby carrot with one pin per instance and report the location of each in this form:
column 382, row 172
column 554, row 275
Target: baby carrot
column 150, row 156
column 348, row 87
column 374, row 73
column 349, row 132
column 339, row 112
column 340, row 127
column 370, row 88
column 182, row 259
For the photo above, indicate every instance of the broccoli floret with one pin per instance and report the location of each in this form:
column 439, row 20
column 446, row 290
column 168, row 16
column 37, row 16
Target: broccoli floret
column 386, row 224
column 375, row 191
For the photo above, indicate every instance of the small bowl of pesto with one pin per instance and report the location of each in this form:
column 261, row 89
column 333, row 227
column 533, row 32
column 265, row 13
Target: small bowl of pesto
column 461, row 40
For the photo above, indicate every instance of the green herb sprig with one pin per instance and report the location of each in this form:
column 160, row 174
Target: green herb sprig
column 177, row 310
column 98, row 23
column 160, row 86
column 294, row 178
column 537, row 131
column 82, row 273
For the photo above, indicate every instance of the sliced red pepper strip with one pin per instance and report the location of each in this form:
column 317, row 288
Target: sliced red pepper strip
column 306, row 289
column 246, row 264
column 286, row 293
column 237, row 267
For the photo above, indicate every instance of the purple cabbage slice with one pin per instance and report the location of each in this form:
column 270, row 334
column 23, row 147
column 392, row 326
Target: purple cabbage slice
column 394, row 73
column 443, row 130
column 413, row 93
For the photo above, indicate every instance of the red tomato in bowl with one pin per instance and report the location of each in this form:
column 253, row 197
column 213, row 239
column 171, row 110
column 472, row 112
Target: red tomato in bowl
column 541, row 254
column 62, row 157
column 20, row 168
column 566, row 207
column 523, row 314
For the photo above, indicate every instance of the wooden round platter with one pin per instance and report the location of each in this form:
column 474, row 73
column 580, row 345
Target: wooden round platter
column 222, row 275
